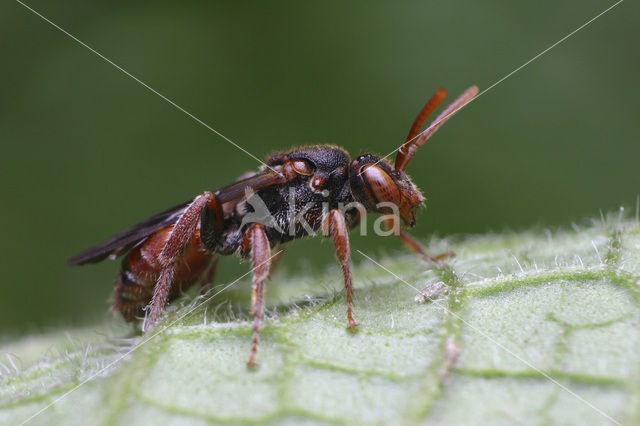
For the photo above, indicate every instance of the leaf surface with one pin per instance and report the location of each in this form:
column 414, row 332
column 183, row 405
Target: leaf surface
column 534, row 327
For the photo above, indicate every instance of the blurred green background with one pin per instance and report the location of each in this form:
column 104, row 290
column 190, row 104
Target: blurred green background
column 87, row 151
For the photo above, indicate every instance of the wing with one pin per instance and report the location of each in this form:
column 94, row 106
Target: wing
column 126, row 240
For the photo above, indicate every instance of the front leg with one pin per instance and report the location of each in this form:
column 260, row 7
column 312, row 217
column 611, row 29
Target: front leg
column 333, row 224
column 255, row 240
column 413, row 245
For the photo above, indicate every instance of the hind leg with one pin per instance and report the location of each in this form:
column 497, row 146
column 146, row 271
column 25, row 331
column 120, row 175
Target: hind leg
column 180, row 236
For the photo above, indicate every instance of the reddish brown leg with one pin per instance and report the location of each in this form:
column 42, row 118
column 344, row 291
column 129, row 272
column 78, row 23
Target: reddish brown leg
column 333, row 224
column 414, row 246
column 255, row 238
column 180, row 236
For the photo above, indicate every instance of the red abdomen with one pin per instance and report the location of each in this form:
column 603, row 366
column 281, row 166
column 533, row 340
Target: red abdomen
column 140, row 271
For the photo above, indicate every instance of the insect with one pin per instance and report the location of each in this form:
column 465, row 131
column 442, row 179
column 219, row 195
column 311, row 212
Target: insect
column 169, row 252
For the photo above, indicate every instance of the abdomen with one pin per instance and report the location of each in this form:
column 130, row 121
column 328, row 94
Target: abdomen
column 140, row 271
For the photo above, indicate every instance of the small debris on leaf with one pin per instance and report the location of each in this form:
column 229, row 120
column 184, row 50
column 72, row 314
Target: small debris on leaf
column 431, row 291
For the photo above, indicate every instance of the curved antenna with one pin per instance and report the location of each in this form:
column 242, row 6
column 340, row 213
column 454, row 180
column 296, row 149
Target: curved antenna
column 409, row 148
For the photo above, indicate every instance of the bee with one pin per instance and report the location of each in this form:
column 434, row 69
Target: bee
column 304, row 191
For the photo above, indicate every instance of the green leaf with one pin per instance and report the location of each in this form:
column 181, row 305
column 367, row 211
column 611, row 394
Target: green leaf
column 535, row 327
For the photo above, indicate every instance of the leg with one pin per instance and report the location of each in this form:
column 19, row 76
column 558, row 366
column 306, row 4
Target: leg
column 414, row 246
column 255, row 239
column 160, row 295
column 334, row 224
column 180, row 236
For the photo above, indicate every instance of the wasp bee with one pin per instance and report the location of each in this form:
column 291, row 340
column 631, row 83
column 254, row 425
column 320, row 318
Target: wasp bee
column 305, row 190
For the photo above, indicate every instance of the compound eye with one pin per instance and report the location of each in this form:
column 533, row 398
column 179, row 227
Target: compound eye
column 302, row 167
column 379, row 185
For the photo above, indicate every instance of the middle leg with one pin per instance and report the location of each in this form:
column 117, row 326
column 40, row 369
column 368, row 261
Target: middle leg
column 255, row 240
